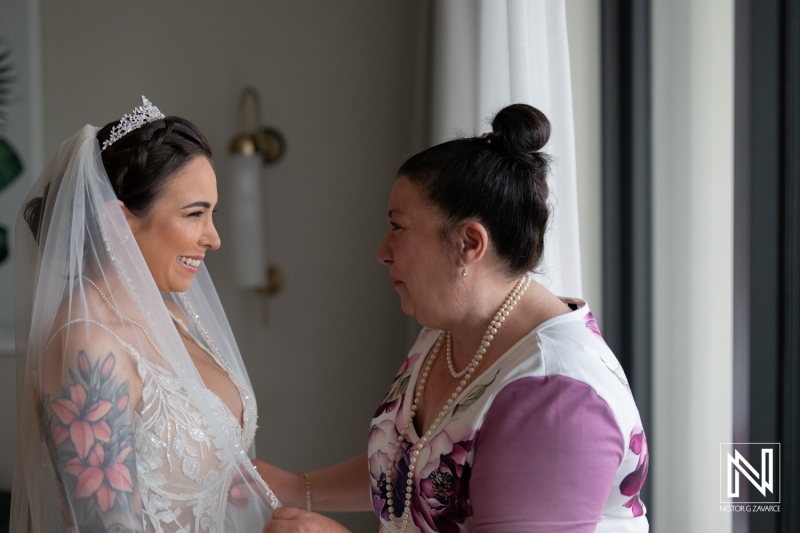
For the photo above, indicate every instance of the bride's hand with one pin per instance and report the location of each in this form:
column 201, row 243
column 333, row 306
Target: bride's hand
column 289, row 520
column 238, row 496
column 240, row 491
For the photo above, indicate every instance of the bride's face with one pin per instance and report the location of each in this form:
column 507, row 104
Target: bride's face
column 175, row 236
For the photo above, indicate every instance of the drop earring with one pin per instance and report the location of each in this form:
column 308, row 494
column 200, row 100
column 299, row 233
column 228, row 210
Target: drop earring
column 464, row 272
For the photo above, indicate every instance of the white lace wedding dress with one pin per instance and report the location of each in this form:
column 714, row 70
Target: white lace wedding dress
column 183, row 477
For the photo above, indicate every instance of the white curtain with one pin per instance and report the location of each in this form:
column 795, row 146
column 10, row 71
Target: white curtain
column 491, row 53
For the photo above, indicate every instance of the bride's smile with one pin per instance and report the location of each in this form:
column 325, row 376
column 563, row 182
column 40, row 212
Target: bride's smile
column 178, row 231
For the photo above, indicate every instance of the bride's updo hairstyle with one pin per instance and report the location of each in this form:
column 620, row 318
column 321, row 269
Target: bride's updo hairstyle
column 499, row 180
column 139, row 163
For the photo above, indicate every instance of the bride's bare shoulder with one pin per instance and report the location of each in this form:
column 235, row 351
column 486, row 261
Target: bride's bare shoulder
column 83, row 325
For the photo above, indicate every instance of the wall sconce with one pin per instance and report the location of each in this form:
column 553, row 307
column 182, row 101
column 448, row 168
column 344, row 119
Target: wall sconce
column 250, row 149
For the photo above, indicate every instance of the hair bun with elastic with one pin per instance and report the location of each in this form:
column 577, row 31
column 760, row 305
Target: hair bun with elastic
column 499, row 179
column 520, row 131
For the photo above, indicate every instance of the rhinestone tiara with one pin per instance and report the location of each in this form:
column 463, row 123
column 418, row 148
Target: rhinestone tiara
column 143, row 114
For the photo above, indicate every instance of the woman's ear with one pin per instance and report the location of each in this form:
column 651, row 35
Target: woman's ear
column 133, row 220
column 474, row 241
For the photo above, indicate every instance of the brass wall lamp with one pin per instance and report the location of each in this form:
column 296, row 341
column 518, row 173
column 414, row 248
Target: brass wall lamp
column 253, row 147
column 260, row 140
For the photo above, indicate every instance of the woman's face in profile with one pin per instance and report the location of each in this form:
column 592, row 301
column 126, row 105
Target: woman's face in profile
column 420, row 268
column 175, row 236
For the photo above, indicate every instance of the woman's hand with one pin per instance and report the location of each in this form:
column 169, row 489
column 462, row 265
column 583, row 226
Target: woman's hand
column 343, row 487
column 239, row 495
column 289, row 520
column 287, row 486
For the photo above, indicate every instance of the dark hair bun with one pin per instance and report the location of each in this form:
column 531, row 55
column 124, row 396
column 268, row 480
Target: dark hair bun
column 520, row 130
column 33, row 213
column 498, row 179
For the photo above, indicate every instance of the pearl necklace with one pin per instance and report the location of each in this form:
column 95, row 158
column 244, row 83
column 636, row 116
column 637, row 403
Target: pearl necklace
column 125, row 318
column 213, row 351
column 465, row 376
column 491, row 331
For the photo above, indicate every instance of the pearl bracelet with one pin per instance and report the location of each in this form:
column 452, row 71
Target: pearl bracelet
column 307, row 482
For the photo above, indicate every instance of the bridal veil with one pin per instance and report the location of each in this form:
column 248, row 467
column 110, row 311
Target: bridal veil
column 116, row 429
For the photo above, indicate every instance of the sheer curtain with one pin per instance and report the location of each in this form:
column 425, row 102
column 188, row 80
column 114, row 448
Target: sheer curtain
column 490, row 53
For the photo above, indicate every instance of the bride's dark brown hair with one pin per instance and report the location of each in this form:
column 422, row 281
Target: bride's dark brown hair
column 139, row 164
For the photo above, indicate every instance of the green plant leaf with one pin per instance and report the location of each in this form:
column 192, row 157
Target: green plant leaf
column 10, row 164
column 7, row 78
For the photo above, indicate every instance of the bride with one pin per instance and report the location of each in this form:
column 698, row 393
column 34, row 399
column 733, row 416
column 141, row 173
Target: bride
column 135, row 411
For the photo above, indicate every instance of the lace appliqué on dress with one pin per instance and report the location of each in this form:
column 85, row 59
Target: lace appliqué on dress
column 183, row 476
column 182, row 472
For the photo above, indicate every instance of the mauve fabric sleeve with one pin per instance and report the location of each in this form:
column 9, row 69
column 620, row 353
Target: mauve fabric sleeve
column 545, row 458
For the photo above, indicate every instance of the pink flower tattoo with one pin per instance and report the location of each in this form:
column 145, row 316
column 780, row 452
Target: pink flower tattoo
column 89, row 433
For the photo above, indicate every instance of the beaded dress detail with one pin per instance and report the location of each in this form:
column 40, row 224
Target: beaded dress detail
column 183, row 477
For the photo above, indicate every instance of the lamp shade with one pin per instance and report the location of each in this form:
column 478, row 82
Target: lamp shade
column 248, row 237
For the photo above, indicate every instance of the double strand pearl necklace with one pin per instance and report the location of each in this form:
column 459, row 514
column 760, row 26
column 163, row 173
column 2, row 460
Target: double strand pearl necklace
column 491, row 331
column 125, row 318
column 215, row 354
column 401, row 524
column 213, row 351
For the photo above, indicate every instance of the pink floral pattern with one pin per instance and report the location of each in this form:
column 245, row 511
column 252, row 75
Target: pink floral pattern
column 591, row 323
column 398, row 386
column 633, row 482
column 443, row 496
column 441, row 502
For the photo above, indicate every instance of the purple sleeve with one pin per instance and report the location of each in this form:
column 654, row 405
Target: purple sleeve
column 545, row 458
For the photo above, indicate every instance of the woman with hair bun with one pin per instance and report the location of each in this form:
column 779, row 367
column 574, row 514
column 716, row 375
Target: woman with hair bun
column 510, row 412
column 135, row 412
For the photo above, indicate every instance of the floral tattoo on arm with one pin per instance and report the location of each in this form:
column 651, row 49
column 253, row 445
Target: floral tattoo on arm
column 89, row 435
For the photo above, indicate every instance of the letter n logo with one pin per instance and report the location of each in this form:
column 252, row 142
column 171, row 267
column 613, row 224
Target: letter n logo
column 763, row 475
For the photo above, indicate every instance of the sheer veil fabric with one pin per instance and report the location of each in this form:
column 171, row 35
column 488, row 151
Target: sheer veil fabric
column 114, row 421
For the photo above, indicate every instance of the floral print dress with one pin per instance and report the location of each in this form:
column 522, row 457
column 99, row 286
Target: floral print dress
column 548, row 438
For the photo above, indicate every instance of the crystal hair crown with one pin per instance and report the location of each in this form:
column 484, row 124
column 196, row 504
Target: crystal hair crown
column 141, row 115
